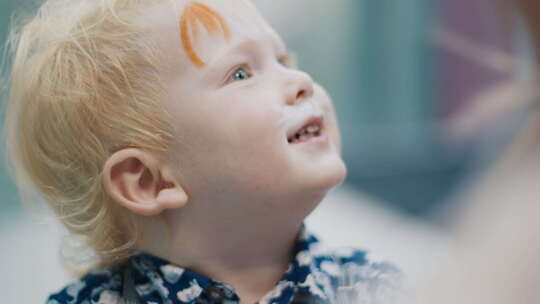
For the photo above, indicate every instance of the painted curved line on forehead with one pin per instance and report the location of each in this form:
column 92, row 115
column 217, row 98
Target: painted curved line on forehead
column 195, row 13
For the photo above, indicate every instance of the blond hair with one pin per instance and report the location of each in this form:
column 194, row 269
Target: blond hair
column 83, row 85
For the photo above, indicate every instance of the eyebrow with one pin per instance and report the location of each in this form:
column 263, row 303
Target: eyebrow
column 245, row 45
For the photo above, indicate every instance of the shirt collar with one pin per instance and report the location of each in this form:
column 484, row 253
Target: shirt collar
column 158, row 281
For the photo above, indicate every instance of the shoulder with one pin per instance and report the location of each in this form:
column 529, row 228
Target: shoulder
column 360, row 274
column 99, row 286
column 350, row 260
column 342, row 261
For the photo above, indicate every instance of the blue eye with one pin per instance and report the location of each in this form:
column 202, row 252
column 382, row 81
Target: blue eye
column 240, row 74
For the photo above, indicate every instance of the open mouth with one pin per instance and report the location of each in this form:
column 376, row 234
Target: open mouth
column 312, row 129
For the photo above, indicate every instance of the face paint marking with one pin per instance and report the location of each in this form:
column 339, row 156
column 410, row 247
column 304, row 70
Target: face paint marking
column 196, row 13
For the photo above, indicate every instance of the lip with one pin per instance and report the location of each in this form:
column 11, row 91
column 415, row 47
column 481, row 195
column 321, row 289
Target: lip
column 321, row 138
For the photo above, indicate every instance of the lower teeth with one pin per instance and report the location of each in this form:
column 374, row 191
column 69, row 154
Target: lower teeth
column 303, row 137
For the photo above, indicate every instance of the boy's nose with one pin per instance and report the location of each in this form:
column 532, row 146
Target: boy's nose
column 299, row 88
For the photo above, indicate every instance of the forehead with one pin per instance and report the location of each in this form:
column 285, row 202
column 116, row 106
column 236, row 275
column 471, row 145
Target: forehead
column 204, row 27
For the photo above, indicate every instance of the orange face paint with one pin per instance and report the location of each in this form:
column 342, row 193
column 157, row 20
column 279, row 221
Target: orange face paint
column 213, row 22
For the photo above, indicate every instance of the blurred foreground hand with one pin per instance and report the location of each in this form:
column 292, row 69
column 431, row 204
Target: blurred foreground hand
column 496, row 259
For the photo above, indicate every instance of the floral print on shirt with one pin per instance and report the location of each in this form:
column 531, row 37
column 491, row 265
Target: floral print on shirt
column 315, row 275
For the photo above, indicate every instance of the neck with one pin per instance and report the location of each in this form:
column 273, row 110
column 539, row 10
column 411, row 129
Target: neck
column 250, row 254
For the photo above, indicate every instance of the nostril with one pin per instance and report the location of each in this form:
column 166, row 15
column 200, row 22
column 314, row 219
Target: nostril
column 301, row 94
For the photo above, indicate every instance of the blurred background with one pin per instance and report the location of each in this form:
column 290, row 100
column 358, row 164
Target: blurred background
column 428, row 93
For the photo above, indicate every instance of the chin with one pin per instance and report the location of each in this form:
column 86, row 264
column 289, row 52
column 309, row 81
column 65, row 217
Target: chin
column 338, row 176
column 332, row 174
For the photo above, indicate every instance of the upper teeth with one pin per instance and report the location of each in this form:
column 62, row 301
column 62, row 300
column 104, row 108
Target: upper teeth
column 309, row 129
column 313, row 128
column 305, row 133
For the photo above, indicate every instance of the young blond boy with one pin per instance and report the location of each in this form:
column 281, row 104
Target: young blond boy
column 178, row 139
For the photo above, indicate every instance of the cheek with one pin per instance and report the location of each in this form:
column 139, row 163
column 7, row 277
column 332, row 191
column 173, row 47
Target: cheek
column 244, row 153
column 258, row 126
column 259, row 144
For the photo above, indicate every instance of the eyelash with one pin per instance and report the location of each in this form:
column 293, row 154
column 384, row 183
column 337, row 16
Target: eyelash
column 235, row 71
column 288, row 61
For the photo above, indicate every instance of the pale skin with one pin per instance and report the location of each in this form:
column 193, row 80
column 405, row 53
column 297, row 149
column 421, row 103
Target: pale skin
column 229, row 197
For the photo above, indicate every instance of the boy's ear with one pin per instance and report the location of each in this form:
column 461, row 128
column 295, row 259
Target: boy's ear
column 136, row 180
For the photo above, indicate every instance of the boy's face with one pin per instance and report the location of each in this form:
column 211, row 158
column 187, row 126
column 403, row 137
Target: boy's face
column 234, row 115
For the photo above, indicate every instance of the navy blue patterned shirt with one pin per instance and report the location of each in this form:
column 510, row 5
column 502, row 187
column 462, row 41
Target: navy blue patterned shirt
column 315, row 275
